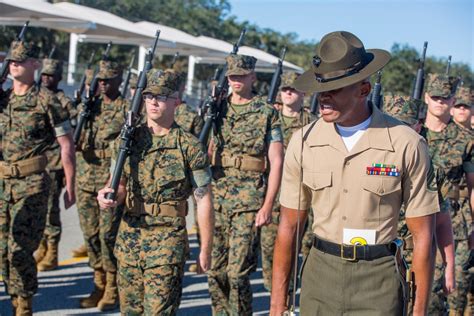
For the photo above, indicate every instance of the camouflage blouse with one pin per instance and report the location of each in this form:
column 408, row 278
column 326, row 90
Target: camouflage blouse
column 188, row 119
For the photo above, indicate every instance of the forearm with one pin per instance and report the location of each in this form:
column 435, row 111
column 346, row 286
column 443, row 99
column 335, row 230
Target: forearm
column 205, row 219
column 444, row 237
column 274, row 177
column 68, row 160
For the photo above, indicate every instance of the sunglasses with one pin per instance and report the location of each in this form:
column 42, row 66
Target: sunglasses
column 157, row 97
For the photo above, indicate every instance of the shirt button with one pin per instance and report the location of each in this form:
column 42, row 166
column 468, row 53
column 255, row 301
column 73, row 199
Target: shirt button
column 345, row 190
column 344, row 218
column 348, row 163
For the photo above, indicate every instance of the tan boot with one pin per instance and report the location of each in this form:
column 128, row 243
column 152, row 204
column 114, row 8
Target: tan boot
column 50, row 261
column 468, row 311
column 80, row 252
column 99, row 286
column 192, row 267
column 110, row 299
column 41, row 251
column 14, row 300
column 25, row 306
column 455, row 313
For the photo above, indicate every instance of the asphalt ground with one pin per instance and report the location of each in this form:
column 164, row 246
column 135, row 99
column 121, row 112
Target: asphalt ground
column 60, row 290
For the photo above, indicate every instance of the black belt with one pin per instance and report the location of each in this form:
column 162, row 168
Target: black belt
column 355, row 252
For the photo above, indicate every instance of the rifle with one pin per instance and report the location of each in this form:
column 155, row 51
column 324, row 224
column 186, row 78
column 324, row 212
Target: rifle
column 6, row 63
column 376, row 93
column 420, row 75
column 217, row 73
column 213, row 103
column 90, row 99
column 448, row 66
column 124, row 91
column 175, row 58
column 313, row 104
column 133, row 118
column 275, row 84
column 82, row 83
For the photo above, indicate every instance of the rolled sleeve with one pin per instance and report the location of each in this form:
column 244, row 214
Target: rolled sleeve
column 62, row 128
column 420, row 194
column 290, row 184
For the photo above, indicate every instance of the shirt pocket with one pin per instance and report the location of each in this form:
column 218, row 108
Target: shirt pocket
column 381, row 197
column 320, row 184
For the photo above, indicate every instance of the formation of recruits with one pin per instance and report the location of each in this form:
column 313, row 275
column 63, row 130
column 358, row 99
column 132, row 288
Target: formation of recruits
column 356, row 168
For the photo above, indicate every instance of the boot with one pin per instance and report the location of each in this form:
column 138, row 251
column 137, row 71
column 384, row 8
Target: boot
column 455, row 313
column 25, row 306
column 192, row 267
column 50, row 261
column 80, row 252
column 41, row 251
column 110, row 299
column 470, row 303
column 14, row 300
column 99, row 286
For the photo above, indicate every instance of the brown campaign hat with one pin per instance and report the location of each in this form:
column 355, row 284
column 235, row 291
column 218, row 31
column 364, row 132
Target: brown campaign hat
column 340, row 60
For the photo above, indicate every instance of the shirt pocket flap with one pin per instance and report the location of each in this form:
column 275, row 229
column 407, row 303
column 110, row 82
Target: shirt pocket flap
column 317, row 180
column 381, row 185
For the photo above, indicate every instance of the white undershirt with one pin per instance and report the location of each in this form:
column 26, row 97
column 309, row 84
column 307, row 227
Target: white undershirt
column 350, row 135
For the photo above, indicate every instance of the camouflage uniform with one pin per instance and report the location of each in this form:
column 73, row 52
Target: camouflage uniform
column 268, row 233
column 151, row 247
column 452, row 156
column 240, row 162
column 188, row 119
column 52, row 232
column 29, row 124
column 93, row 164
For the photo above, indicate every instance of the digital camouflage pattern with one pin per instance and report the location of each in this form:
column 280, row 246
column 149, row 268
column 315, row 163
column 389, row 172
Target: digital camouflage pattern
column 52, row 67
column 89, row 76
column 162, row 82
column 240, row 64
column 238, row 195
column 188, row 119
column 21, row 51
column 441, row 86
column 93, row 161
column 152, row 250
column 133, row 81
column 109, row 69
column 403, row 109
column 464, row 96
column 288, row 79
column 28, row 125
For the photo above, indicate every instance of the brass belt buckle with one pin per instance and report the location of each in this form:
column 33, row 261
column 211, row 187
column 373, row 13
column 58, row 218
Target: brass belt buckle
column 354, row 255
column 237, row 162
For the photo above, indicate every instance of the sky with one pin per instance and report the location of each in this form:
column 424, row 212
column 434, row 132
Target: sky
column 447, row 25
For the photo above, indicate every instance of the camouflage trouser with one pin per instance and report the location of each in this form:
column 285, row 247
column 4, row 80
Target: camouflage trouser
column 22, row 224
column 267, row 243
column 151, row 252
column 234, row 257
column 52, row 232
column 100, row 230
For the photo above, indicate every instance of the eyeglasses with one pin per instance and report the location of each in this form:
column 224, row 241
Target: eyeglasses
column 157, row 97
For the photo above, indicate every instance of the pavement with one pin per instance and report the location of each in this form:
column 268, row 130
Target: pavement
column 60, row 290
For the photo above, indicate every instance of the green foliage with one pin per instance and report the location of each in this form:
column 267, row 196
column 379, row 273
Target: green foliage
column 213, row 18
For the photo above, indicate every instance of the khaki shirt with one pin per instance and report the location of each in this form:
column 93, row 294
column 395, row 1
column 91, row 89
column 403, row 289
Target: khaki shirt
column 339, row 190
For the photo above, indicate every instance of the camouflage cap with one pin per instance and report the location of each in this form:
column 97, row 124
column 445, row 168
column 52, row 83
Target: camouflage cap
column 287, row 79
column 441, row 85
column 240, row 64
column 162, row 82
column 89, row 76
column 21, row 51
column 52, row 67
column 133, row 81
column 403, row 109
column 109, row 69
column 465, row 96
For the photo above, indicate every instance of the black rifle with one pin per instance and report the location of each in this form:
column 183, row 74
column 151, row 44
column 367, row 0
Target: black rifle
column 313, row 104
column 448, row 66
column 133, row 118
column 275, row 84
column 217, row 73
column 124, row 91
column 6, row 63
column 420, row 75
column 376, row 97
column 82, row 83
column 175, row 58
column 213, row 103
column 90, row 99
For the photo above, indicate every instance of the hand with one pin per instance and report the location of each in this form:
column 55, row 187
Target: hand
column 277, row 310
column 264, row 216
column 103, row 201
column 449, row 280
column 204, row 261
column 69, row 199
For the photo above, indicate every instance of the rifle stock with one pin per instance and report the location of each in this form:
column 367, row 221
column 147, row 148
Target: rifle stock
column 133, row 118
